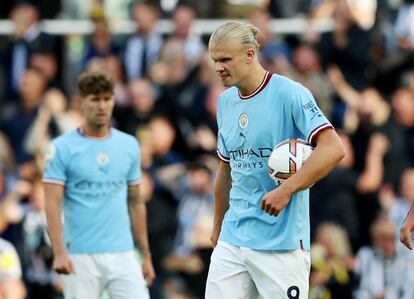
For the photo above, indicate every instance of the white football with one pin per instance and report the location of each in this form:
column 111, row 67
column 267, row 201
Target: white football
column 287, row 158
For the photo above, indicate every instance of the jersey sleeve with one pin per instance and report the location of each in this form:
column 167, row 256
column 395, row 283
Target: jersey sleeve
column 307, row 116
column 55, row 168
column 222, row 152
column 134, row 175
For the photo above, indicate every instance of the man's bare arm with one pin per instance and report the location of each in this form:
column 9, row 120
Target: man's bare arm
column 54, row 197
column 221, row 199
column 138, row 214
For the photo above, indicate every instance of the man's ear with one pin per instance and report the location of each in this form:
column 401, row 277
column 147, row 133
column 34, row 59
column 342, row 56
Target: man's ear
column 250, row 54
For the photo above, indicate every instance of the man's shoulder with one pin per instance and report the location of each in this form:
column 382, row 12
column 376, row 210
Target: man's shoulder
column 284, row 83
column 288, row 88
column 124, row 138
column 66, row 138
column 62, row 144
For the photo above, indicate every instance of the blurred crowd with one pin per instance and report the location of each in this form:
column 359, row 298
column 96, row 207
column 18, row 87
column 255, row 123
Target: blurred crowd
column 361, row 74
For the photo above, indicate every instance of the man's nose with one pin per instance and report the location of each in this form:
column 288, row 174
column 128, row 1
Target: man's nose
column 102, row 104
column 219, row 67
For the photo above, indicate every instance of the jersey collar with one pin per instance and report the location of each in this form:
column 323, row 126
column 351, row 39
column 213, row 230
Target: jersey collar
column 262, row 85
column 82, row 133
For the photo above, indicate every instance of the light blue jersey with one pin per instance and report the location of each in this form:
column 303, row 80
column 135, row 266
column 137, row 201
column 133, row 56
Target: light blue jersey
column 249, row 128
column 96, row 174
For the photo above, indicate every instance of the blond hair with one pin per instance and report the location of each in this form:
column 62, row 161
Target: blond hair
column 338, row 238
column 245, row 33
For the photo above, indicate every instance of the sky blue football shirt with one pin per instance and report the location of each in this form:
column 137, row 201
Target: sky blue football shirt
column 249, row 128
column 96, row 174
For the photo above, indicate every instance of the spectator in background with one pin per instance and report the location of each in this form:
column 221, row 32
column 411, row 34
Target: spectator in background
column 12, row 212
column 397, row 205
column 117, row 10
column 43, row 282
column 181, row 95
column 183, row 32
column 161, row 227
column 407, row 228
column 6, row 163
column 141, row 107
column 373, row 113
column 271, row 49
column 142, row 49
column 404, row 27
column 100, row 43
column 15, row 125
column 382, row 270
column 193, row 106
column 205, row 113
column 11, row 285
column 287, row 9
column 335, row 198
column 26, row 38
column 400, row 208
column 53, row 112
column 192, row 186
column 348, row 47
column 403, row 106
column 163, row 137
column 46, row 62
column 332, row 263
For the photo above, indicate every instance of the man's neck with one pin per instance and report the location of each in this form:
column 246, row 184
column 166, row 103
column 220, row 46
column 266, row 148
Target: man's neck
column 252, row 81
column 95, row 131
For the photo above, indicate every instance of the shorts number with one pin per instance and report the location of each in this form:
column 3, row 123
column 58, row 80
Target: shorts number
column 293, row 292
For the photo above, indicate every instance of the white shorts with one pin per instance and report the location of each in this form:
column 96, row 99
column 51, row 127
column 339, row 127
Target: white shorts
column 119, row 273
column 243, row 273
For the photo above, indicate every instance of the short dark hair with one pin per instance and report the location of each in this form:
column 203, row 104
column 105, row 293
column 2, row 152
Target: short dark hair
column 94, row 82
column 196, row 165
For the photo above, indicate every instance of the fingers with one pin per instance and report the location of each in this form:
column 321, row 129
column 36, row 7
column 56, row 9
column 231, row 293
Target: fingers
column 65, row 269
column 213, row 242
column 269, row 208
column 149, row 278
column 263, row 204
column 405, row 238
column 214, row 239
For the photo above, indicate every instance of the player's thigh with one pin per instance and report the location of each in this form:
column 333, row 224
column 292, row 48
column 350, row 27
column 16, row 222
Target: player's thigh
column 128, row 286
column 86, row 282
column 280, row 274
column 76, row 287
column 228, row 276
column 125, row 278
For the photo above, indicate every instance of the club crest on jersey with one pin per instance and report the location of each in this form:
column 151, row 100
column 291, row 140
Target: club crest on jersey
column 243, row 120
column 102, row 159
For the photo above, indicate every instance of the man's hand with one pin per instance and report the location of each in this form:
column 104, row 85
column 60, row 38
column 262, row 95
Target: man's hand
column 148, row 270
column 407, row 229
column 62, row 264
column 276, row 200
column 214, row 236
